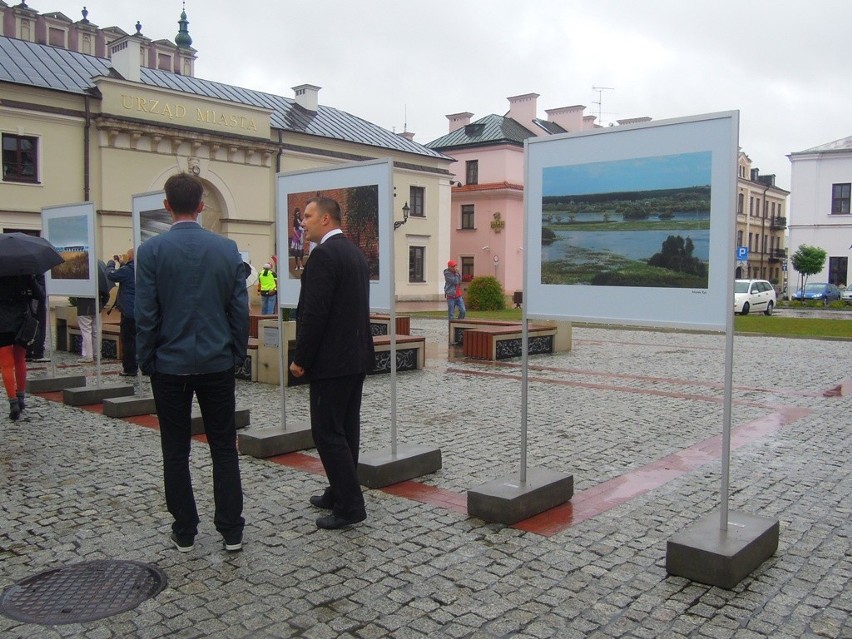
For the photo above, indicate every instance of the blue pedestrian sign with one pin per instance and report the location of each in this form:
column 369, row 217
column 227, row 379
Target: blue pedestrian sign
column 742, row 254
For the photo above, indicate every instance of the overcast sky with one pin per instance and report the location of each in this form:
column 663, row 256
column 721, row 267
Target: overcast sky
column 784, row 64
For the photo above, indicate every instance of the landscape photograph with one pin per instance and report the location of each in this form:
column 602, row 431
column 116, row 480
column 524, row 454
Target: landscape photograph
column 70, row 236
column 642, row 222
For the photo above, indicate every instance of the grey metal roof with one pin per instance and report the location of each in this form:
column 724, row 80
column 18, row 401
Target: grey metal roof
column 843, row 144
column 49, row 67
column 492, row 129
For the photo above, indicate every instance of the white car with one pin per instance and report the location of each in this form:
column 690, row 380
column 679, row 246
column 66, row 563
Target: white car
column 753, row 295
column 846, row 294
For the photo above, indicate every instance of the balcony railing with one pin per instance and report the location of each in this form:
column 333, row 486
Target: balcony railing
column 777, row 255
column 778, row 223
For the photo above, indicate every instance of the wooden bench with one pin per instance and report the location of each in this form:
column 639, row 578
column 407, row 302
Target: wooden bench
column 503, row 342
column 248, row 371
column 110, row 341
column 380, row 324
column 459, row 326
column 410, row 355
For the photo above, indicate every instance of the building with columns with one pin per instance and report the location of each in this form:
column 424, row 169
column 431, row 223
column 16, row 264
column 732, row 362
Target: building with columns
column 91, row 114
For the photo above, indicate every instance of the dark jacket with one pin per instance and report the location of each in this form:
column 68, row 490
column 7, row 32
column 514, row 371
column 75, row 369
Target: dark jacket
column 86, row 305
column 191, row 303
column 16, row 294
column 125, row 277
column 333, row 330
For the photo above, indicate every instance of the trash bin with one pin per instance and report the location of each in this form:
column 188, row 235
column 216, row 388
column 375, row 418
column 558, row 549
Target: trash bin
column 518, row 298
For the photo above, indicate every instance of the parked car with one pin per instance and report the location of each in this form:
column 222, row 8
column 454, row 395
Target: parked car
column 753, row 295
column 818, row 291
column 846, row 295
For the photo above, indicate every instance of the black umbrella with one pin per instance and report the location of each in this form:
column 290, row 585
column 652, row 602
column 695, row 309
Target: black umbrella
column 22, row 254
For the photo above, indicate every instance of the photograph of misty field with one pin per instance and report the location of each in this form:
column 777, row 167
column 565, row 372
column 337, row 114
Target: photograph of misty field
column 639, row 222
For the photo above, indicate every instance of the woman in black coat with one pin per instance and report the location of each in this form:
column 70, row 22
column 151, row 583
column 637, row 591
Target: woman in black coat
column 16, row 294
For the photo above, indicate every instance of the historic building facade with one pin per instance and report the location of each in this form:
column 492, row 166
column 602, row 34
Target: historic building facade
column 761, row 226
column 86, row 127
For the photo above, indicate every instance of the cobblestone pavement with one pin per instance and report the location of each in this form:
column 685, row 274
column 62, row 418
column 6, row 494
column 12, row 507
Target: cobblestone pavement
column 79, row 486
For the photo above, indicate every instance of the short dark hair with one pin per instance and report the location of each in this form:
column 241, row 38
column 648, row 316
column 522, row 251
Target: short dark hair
column 184, row 192
column 329, row 206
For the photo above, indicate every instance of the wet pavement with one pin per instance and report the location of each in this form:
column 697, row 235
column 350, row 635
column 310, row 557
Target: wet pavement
column 634, row 415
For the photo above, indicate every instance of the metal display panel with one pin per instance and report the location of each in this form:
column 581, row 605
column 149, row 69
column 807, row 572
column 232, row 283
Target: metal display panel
column 71, row 230
column 150, row 217
column 363, row 190
column 634, row 224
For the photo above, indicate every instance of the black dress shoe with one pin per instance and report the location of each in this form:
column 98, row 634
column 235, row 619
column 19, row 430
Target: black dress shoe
column 321, row 501
column 333, row 522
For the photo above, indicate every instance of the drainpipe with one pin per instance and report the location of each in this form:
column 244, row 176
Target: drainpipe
column 279, row 154
column 87, row 130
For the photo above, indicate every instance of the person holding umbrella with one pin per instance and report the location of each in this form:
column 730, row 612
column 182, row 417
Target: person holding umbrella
column 21, row 258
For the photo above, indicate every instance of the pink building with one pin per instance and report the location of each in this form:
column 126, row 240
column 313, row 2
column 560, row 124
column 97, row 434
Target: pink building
column 487, row 205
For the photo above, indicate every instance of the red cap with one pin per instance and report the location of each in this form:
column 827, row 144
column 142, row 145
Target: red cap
column 451, row 263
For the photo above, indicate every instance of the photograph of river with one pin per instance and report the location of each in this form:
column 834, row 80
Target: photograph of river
column 641, row 222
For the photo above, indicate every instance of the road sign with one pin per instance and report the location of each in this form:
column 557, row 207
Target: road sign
column 742, row 254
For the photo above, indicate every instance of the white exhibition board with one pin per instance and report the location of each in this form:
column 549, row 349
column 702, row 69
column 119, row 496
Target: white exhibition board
column 71, row 230
column 633, row 224
column 150, row 217
column 364, row 192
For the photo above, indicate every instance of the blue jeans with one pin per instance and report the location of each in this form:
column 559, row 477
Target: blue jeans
column 453, row 302
column 267, row 305
column 173, row 399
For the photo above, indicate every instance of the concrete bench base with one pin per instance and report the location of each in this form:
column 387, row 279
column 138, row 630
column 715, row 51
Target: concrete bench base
column 129, row 406
column 410, row 353
column 197, row 424
column 507, row 501
column 723, row 558
column 95, row 395
column 274, row 440
column 377, row 469
column 53, row 384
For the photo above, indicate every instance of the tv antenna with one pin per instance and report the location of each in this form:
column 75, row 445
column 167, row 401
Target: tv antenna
column 599, row 102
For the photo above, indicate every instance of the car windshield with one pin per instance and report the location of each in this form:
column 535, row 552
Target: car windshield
column 740, row 287
column 814, row 288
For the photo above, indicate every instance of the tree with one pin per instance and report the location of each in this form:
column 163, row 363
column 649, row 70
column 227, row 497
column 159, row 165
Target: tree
column 808, row 260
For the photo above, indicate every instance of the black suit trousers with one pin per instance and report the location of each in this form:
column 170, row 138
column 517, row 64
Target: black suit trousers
column 336, row 428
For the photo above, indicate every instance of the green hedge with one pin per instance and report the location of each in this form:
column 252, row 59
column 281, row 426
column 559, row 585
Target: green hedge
column 485, row 294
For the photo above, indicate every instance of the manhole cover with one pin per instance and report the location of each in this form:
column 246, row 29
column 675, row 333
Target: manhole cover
column 82, row 592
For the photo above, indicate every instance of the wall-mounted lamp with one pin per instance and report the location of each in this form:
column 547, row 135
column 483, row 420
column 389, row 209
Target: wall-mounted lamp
column 486, row 248
column 405, row 211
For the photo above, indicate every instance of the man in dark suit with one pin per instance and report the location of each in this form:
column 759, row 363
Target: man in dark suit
column 334, row 348
column 192, row 330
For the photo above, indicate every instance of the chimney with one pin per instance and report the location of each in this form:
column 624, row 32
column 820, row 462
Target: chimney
column 569, row 118
column 522, row 109
column 125, row 58
column 459, row 120
column 408, row 135
column 306, row 96
column 639, row 120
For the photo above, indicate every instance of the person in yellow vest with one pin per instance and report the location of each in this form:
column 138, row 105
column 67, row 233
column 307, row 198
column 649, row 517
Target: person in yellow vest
column 267, row 286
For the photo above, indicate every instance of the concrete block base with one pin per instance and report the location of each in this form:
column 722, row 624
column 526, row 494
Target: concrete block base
column 274, row 440
column 380, row 468
column 722, row 558
column 53, row 384
column 129, row 406
column 507, row 501
column 95, row 395
column 197, row 423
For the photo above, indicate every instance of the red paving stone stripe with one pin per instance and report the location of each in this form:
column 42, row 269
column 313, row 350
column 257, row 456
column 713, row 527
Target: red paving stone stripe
column 609, row 494
column 611, row 387
column 584, row 504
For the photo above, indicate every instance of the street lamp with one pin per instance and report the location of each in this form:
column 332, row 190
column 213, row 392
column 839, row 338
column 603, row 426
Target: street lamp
column 405, row 211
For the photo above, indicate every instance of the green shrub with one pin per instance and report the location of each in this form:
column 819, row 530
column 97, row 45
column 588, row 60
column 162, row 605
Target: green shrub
column 485, row 294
